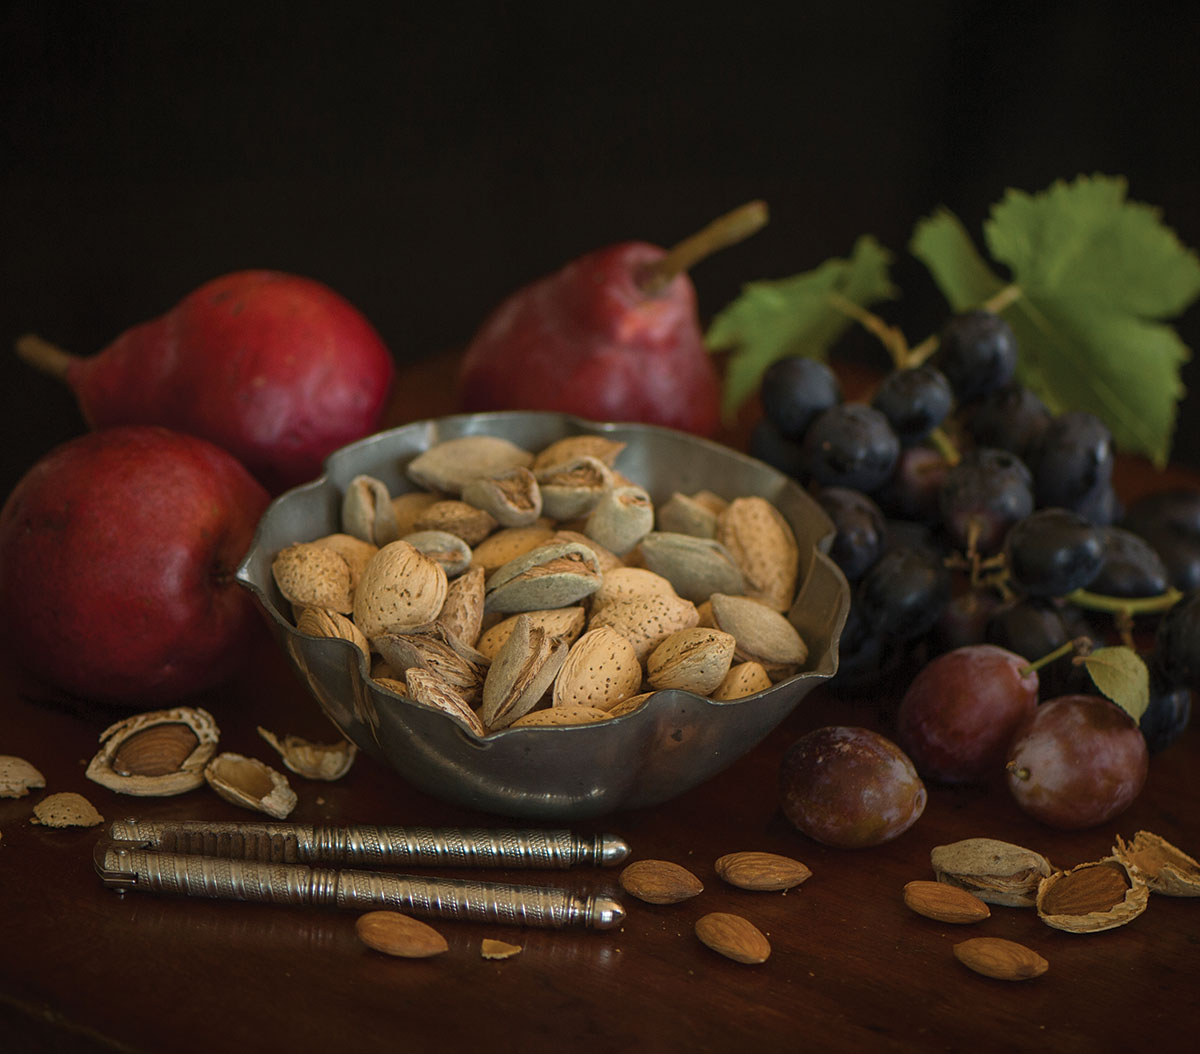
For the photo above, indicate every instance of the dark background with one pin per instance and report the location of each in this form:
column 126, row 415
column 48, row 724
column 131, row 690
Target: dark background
column 426, row 164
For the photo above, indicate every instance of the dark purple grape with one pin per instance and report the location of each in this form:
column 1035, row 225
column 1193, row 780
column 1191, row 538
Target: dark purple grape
column 1073, row 461
column 867, row 658
column 1052, row 552
column 1101, row 505
column 1169, row 712
column 794, row 390
column 850, row 445
column 1170, row 521
column 768, row 444
column 915, row 401
column 964, row 620
column 1131, row 567
column 1011, row 418
column 903, row 594
column 912, row 492
column 1177, row 643
column 977, row 351
column 1033, row 628
column 983, row 496
column 859, row 526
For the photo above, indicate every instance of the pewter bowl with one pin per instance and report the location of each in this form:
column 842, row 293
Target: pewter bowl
column 673, row 742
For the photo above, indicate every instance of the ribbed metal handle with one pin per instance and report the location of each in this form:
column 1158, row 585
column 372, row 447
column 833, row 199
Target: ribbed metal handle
column 188, row 874
column 365, row 844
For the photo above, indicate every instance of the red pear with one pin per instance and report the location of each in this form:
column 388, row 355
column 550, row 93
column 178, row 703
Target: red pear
column 277, row 369
column 117, row 558
column 613, row 336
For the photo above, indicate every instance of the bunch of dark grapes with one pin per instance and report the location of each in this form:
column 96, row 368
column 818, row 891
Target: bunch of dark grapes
column 966, row 512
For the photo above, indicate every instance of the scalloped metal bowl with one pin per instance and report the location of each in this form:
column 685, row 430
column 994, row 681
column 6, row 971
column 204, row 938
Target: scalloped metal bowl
column 675, row 741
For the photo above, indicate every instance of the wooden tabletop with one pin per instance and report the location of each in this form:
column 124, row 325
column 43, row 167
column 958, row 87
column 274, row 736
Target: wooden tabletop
column 83, row 967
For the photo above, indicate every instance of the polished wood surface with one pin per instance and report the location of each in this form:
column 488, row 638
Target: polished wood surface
column 85, row 968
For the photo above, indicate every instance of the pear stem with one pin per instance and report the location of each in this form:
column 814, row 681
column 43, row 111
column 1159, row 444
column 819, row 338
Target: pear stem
column 47, row 357
column 724, row 231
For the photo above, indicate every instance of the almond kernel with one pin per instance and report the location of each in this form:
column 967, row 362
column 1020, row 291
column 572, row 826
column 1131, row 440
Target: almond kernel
column 936, row 900
column 733, row 936
column 999, row 958
column 659, row 882
column 761, row 871
column 401, row 935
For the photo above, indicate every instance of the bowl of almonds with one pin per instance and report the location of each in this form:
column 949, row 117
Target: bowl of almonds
column 539, row 616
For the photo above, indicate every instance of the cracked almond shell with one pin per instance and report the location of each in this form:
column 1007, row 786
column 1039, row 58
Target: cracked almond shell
column 997, row 872
column 1092, row 897
column 313, row 761
column 18, row 777
column 1159, row 864
column 250, row 783
column 156, row 754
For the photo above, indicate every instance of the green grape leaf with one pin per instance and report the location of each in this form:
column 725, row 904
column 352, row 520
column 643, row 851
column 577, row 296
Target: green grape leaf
column 1121, row 674
column 773, row 319
column 1097, row 276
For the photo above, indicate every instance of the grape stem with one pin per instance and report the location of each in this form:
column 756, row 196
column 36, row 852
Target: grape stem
column 889, row 336
column 995, row 303
column 1124, row 606
column 1079, row 645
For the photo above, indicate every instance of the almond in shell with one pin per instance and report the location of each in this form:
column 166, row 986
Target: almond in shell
column 691, row 660
column 600, row 670
column 646, row 621
column 309, row 574
column 400, row 588
column 764, row 547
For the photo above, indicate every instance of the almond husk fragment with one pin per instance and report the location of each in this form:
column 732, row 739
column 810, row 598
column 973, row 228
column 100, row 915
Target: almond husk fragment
column 392, row 933
column 1089, row 898
column 490, row 948
column 429, row 689
column 1000, row 959
column 18, row 777
column 733, row 936
column 761, row 871
column 66, row 809
column 996, row 872
column 683, row 514
column 571, row 489
column 936, row 900
column 313, row 761
column 659, row 882
column 1156, row 862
